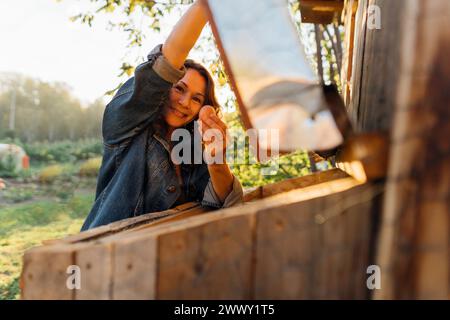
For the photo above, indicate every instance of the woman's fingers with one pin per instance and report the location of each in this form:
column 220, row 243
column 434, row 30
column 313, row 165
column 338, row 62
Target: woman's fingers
column 216, row 124
column 209, row 124
column 204, row 127
column 207, row 136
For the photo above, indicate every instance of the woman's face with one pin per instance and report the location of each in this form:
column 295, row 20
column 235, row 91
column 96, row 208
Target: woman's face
column 186, row 99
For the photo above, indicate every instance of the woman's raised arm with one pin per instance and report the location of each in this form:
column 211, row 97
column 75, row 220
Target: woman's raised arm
column 139, row 100
column 185, row 33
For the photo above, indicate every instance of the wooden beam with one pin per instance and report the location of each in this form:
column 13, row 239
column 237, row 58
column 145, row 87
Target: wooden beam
column 315, row 249
column 364, row 156
column 294, row 183
column 118, row 226
column 321, row 11
column 349, row 19
column 414, row 250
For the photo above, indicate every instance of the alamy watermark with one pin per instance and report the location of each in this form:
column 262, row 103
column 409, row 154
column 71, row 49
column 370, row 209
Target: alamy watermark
column 374, row 17
column 73, row 281
column 374, row 280
column 212, row 147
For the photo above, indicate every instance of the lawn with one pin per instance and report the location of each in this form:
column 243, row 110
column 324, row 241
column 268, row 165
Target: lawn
column 51, row 200
column 26, row 225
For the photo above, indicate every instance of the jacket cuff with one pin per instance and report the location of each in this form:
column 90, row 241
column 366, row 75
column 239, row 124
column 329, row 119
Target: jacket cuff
column 163, row 68
column 211, row 199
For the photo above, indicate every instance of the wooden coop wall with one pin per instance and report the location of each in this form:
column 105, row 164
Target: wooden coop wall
column 370, row 73
column 414, row 243
column 304, row 238
column 400, row 75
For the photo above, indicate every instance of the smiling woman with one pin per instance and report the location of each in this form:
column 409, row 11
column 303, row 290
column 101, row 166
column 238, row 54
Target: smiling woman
column 190, row 94
column 167, row 92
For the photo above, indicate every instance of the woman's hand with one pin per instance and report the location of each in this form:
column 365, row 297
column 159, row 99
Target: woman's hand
column 213, row 132
column 214, row 135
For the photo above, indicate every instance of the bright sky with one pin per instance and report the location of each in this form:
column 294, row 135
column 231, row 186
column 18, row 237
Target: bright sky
column 37, row 39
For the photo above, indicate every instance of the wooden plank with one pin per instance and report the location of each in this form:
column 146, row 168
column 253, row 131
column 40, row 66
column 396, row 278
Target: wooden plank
column 199, row 239
column 211, row 261
column 135, row 268
column 321, row 11
column 379, row 79
column 280, row 273
column 334, row 246
column 302, row 182
column 433, row 251
column 251, row 194
column 294, row 183
column 95, row 262
column 358, row 60
column 126, row 263
column 305, row 245
column 180, row 216
column 364, row 156
column 414, row 238
column 349, row 18
column 360, row 257
column 125, row 224
column 44, row 274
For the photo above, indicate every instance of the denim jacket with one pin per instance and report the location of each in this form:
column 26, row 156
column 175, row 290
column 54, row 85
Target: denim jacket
column 137, row 175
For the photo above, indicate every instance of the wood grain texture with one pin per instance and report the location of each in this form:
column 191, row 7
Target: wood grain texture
column 209, row 261
column 95, row 262
column 379, row 77
column 135, row 268
column 349, row 19
column 414, row 240
column 315, row 249
column 44, row 273
column 125, row 224
column 294, row 183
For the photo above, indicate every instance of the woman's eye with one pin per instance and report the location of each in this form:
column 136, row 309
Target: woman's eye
column 179, row 88
column 198, row 100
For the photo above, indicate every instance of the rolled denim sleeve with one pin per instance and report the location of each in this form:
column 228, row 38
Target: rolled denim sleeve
column 141, row 99
column 163, row 68
column 211, row 199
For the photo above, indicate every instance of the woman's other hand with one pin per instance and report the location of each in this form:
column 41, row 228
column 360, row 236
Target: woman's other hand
column 213, row 132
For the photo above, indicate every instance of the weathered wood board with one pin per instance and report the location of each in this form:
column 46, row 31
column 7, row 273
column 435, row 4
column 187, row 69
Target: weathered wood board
column 221, row 255
column 413, row 249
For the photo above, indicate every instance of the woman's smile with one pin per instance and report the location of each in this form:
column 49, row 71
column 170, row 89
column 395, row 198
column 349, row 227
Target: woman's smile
column 178, row 113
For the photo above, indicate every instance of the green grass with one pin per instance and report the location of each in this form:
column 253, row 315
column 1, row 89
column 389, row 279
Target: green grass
column 25, row 226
